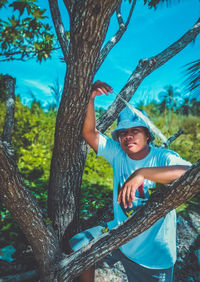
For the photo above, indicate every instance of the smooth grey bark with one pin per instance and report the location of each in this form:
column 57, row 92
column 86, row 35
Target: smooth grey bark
column 9, row 83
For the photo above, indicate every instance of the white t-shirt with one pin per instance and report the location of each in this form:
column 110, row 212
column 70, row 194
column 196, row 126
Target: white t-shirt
column 155, row 247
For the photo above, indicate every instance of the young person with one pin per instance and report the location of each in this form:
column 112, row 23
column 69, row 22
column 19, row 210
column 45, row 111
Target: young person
column 136, row 167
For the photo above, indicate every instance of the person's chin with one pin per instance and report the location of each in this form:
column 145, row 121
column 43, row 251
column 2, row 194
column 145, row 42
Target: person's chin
column 132, row 149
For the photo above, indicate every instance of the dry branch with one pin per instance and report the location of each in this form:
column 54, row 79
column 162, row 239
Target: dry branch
column 159, row 204
column 172, row 138
column 59, row 27
column 115, row 39
column 24, row 208
column 143, row 69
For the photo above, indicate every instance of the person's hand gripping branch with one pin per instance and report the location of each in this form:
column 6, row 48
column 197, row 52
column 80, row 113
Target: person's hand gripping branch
column 99, row 88
column 128, row 190
column 89, row 130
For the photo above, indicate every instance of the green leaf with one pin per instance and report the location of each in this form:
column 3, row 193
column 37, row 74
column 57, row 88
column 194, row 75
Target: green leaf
column 6, row 227
column 18, row 5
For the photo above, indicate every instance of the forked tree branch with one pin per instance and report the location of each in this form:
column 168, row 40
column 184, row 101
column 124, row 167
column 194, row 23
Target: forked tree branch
column 24, row 208
column 59, row 28
column 143, row 69
column 9, row 82
column 115, row 39
column 159, row 204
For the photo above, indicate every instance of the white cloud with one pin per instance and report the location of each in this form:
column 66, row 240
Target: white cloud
column 38, row 85
column 124, row 69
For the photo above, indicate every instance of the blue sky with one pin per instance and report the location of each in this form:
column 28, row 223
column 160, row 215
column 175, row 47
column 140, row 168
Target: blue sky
column 149, row 32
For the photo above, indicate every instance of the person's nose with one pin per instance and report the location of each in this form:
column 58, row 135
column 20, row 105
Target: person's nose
column 129, row 136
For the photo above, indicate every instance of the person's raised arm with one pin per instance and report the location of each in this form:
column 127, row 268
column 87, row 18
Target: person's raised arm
column 89, row 131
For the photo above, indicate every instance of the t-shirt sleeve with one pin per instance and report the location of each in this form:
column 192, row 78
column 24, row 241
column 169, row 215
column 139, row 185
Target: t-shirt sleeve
column 107, row 148
column 173, row 158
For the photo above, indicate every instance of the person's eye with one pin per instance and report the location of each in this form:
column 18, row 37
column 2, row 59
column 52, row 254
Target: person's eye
column 135, row 131
column 122, row 134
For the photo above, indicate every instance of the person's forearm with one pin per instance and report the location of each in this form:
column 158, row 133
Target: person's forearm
column 164, row 175
column 90, row 119
column 89, row 131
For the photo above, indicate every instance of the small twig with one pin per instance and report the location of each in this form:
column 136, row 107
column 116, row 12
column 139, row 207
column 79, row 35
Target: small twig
column 172, row 138
column 115, row 39
column 59, row 27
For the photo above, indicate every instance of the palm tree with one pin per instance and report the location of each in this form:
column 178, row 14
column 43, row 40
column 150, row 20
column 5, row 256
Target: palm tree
column 193, row 78
column 56, row 91
column 170, row 98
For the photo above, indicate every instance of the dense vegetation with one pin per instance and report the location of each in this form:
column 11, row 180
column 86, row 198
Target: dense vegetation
column 33, row 142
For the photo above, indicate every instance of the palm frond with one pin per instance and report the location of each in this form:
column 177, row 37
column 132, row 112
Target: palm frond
column 192, row 81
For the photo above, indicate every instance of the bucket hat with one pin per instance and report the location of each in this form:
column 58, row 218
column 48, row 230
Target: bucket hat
column 128, row 119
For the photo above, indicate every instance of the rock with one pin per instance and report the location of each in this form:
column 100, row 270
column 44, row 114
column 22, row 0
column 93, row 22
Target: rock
column 105, row 272
column 187, row 266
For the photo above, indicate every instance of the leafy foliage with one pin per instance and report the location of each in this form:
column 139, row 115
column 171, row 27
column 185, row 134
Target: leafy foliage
column 25, row 34
column 33, row 143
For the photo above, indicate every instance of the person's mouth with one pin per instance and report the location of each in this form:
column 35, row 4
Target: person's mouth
column 130, row 144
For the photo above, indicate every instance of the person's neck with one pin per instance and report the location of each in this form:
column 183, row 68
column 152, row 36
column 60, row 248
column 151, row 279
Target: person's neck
column 141, row 154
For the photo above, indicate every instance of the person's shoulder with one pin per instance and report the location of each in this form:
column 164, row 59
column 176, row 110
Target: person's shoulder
column 103, row 138
column 164, row 151
column 108, row 146
column 163, row 155
column 169, row 157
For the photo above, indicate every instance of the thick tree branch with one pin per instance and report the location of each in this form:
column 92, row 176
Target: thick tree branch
column 24, row 208
column 144, row 68
column 10, row 108
column 160, row 203
column 59, row 27
column 115, row 39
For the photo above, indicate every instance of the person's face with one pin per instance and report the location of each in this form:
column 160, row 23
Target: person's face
column 134, row 142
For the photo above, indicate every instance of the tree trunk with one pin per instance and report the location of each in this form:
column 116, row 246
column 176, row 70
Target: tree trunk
column 89, row 23
column 69, row 152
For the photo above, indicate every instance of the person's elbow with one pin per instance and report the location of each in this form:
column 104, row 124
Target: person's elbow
column 181, row 169
column 92, row 138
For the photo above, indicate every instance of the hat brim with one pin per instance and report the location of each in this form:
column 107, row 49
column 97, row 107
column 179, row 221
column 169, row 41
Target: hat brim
column 129, row 124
